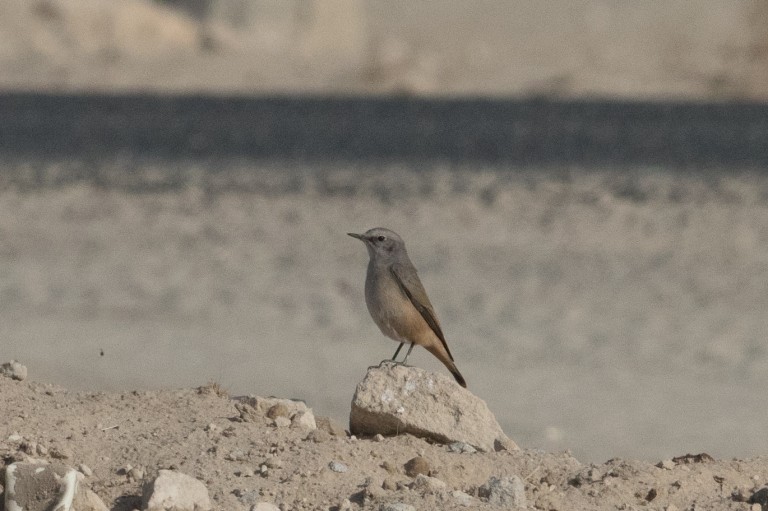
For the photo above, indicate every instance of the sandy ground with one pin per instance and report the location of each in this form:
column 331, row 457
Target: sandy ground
column 613, row 314
column 124, row 438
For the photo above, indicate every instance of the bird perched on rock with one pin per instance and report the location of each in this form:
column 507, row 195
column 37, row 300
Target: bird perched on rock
column 397, row 300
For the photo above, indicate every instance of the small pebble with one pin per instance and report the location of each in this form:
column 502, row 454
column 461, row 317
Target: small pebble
column 278, row 410
column 236, row 455
column 247, row 472
column 461, row 447
column 85, row 470
column 136, row 474
column 282, row 422
column 389, row 484
column 337, row 467
column 378, row 438
column 274, row 462
column 61, row 453
column 666, row 464
column 264, row 506
column 389, row 467
column 14, row 370
column 428, row 484
column 416, row 466
column 462, row 498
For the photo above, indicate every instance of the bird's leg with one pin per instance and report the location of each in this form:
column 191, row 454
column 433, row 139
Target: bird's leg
column 394, row 357
column 409, row 352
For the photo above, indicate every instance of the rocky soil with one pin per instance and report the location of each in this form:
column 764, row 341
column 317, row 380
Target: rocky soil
column 246, row 456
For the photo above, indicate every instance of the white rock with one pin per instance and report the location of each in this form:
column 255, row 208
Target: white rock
column 505, row 492
column 282, row 422
column 428, row 484
column 175, row 491
column 86, row 500
column 47, row 486
column 304, row 421
column 337, row 467
column 394, row 399
column 14, row 370
column 264, row 506
column 462, row 447
column 463, row 499
column 263, row 404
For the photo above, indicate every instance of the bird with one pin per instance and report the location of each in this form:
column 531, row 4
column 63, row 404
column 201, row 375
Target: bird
column 397, row 300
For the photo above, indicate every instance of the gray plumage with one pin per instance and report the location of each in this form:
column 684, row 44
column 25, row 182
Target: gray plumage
column 397, row 300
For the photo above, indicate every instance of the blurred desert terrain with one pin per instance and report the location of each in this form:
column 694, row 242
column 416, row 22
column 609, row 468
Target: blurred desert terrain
column 711, row 49
column 616, row 309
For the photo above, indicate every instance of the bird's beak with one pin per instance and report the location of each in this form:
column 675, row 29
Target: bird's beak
column 358, row 236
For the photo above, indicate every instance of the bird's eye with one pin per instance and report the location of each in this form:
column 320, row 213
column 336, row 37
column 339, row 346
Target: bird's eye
column 381, row 238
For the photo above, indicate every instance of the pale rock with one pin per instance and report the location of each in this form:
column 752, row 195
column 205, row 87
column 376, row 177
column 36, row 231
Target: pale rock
column 463, row 499
column 504, row 492
column 38, row 486
column 282, row 422
column 14, row 370
column 263, row 405
column 304, row 421
column 274, row 462
column 428, row 484
column 86, row 500
column 136, row 474
column 337, row 466
column 278, row 410
column 462, row 447
column 175, row 491
column 330, row 426
column 85, row 470
column 264, row 506
column 235, row 455
column 395, row 399
column 666, row 464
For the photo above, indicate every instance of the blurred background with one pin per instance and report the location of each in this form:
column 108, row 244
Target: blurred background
column 581, row 184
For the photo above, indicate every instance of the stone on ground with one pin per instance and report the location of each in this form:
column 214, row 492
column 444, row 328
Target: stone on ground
column 175, row 491
column 14, row 370
column 508, row 492
column 395, row 399
column 43, row 486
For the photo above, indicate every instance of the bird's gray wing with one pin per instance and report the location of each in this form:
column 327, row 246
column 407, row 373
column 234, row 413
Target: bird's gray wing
column 409, row 282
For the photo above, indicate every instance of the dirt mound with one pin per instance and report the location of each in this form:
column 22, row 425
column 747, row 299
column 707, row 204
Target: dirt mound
column 121, row 440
